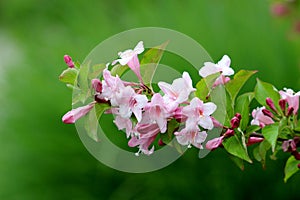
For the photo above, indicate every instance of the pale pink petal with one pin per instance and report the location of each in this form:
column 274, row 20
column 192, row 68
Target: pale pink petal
column 214, row 143
column 139, row 48
column 73, row 115
column 206, row 122
column 208, row 69
column 209, row 108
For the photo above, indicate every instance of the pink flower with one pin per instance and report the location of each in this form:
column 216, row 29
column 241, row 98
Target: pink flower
column 179, row 91
column 97, row 85
column 157, row 112
column 111, row 86
column 199, row 113
column 279, row 9
column 214, row 143
column 129, row 102
column 72, row 116
column 222, row 66
column 260, row 118
column 124, row 123
column 146, row 135
column 130, row 58
column 68, row 61
column 191, row 136
column 292, row 98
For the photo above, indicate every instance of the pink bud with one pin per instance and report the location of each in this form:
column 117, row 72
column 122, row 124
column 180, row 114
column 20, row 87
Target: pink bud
column 68, row 61
column 214, row 143
column 238, row 115
column 271, row 105
column 290, row 111
column 296, row 155
column 235, row 122
column 161, row 143
column 216, row 123
column 267, row 113
column 97, row 85
column 279, row 9
column 72, row 116
column 254, row 140
column 229, row 133
column 282, row 104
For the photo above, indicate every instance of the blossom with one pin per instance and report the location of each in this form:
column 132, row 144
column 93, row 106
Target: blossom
column 291, row 97
column 179, row 91
column 191, row 136
column 111, row 86
column 199, row 113
column 97, row 85
column 214, row 143
column 129, row 102
column 260, row 118
column 254, row 140
column 68, row 61
column 157, row 112
column 129, row 57
column 146, row 135
column 124, row 123
column 222, row 66
column 72, row 116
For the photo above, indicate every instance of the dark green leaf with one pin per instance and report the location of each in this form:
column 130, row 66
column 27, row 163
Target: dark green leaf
column 234, row 86
column 291, row 167
column 242, row 107
column 150, row 62
column 204, row 86
column 264, row 90
column 238, row 161
column 252, row 129
column 69, row 76
column 270, row 133
column 234, row 146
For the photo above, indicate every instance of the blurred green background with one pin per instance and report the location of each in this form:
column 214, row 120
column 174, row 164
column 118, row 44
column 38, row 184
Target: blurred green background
column 41, row 158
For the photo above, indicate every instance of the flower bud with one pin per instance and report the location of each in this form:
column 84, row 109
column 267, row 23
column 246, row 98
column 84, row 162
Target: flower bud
column 97, row 85
column 229, row 133
column 72, row 116
column 68, row 61
column 279, row 9
column 271, row 105
column 296, row 155
column 216, row 123
column 282, row 104
column 214, row 143
column 161, row 143
column 290, row 111
column 238, row 115
column 235, row 121
column 267, row 113
column 254, row 140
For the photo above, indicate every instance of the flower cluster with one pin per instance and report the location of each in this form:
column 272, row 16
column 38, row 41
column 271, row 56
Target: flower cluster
column 185, row 112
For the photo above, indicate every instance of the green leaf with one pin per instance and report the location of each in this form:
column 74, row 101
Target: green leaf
column 238, row 161
column 96, row 70
column 264, row 90
column 260, row 152
column 234, row 146
column 270, row 133
column 119, row 70
column 150, row 62
column 169, row 135
column 242, row 107
column 251, row 129
column 291, row 167
column 92, row 120
column 221, row 98
column 69, row 76
column 204, row 86
column 234, row 86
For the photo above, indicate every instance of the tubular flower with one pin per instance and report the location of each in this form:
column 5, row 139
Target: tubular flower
column 130, row 58
column 222, row 66
column 72, row 116
column 260, row 118
column 292, row 98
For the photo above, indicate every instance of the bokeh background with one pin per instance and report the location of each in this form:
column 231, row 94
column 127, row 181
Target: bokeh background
column 42, row 158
